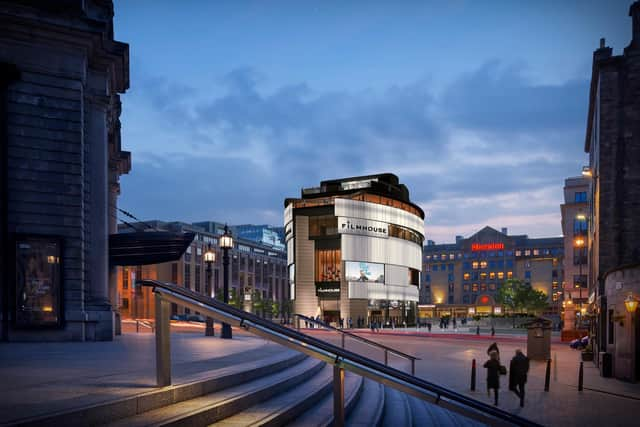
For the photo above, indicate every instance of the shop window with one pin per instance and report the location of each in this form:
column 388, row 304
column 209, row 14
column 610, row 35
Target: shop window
column 325, row 225
column 38, row 281
column 327, row 265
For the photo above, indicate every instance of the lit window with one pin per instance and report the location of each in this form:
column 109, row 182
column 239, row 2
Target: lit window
column 443, row 257
column 474, row 287
column 509, row 274
column 428, row 257
column 500, row 275
column 483, row 287
column 465, row 288
column 452, row 256
column 527, row 252
column 466, row 276
column 554, row 285
column 492, row 286
column 554, row 297
column 492, row 275
column 518, row 253
column 536, row 252
column 483, row 275
column 474, row 265
column 483, row 264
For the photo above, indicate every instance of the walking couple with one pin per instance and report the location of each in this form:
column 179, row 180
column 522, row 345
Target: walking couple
column 518, row 369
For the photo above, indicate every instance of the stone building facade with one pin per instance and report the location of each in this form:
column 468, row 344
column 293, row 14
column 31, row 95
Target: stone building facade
column 61, row 73
column 257, row 275
column 613, row 143
column 574, row 212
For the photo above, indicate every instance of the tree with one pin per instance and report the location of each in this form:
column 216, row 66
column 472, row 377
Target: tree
column 519, row 297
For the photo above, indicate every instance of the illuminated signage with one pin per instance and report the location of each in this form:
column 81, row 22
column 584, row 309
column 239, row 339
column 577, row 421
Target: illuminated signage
column 362, row 227
column 356, row 271
column 328, row 290
column 487, row 246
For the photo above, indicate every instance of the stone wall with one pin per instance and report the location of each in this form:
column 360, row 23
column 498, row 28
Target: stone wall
column 64, row 153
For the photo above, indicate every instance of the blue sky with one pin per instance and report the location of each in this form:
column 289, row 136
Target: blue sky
column 479, row 107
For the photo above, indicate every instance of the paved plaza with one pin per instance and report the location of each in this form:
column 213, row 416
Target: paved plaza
column 42, row 378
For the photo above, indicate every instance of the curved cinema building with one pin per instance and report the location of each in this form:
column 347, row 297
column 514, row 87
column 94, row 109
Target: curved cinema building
column 354, row 248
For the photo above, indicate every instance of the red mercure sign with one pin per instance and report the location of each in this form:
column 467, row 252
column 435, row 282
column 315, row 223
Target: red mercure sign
column 487, row 246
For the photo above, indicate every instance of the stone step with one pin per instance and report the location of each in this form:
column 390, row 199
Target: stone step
column 321, row 415
column 285, row 407
column 397, row 411
column 425, row 414
column 369, row 410
column 212, row 407
column 193, row 386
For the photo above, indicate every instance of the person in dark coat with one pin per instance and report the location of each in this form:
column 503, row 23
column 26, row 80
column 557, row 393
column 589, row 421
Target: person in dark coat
column 493, row 375
column 494, row 347
column 518, row 370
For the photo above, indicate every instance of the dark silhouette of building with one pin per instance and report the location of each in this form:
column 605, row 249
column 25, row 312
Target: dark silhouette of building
column 613, row 143
column 60, row 75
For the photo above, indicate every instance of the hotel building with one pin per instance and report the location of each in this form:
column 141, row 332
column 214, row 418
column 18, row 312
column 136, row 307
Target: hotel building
column 463, row 278
column 257, row 272
column 354, row 249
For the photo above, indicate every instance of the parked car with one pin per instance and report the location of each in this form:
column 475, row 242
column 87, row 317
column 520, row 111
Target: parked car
column 182, row 317
column 195, row 318
column 579, row 343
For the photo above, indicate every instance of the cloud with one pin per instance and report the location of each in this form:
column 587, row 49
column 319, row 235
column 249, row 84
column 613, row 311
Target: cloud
column 489, row 147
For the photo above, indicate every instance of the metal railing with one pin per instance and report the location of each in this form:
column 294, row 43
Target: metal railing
column 344, row 334
column 341, row 359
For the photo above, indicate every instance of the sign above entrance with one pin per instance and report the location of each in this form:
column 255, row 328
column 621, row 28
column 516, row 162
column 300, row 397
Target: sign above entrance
column 362, row 227
column 487, row 246
column 328, row 290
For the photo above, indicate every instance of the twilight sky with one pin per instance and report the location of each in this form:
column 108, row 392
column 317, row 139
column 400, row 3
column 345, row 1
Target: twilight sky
column 479, row 107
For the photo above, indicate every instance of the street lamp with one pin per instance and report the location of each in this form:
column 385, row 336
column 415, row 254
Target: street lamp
column 226, row 243
column 209, row 259
column 630, row 303
column 579, row 243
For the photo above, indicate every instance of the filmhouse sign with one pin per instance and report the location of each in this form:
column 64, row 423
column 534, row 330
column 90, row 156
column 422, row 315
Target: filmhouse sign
column 487, row 246
column 362, row 227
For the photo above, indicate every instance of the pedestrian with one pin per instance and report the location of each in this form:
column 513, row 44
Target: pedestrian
column 372, row 325
column 429, row 326
column 306, row 324
column 455, row 323
column 493, row 375
column 493, row 331
column 478, row 330
column 350, row 322
column 341, row 322
column 518, row 369
column 494, row 347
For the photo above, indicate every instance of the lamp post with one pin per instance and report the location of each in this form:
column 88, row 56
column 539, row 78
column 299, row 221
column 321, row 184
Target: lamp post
column 226, row 243
column 579, row 243
column 209, row 259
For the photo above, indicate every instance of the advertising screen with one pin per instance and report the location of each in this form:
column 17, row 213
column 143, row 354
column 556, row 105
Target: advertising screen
column 357, row 271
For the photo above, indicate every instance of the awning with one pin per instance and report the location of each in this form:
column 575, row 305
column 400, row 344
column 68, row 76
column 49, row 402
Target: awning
column 147, row 247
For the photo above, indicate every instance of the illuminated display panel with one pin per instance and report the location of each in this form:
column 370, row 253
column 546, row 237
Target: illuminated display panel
column 356, row 271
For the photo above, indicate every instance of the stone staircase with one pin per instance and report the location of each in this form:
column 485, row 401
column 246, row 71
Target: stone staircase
column 291, row 390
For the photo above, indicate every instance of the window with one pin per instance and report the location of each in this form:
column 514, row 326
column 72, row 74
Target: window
column 450, row 299
column 500, row 275
column 527, row 264
column 580, row 196
column 466, row 276
column 492, row 275
column 187, row 254
column 580, row 226
column 174, row 272
column 450, row 267
column 475, row 265
column 536, row 252
column 466, row 265
column 435, row 267
column 492, row 265
column 527, row 252
column 527, row 274
column 450, row 278
column 414, row 277
column 518, row 253
column 483, row 287
column 509, row 274
column 451, row 287
column 554, row 297
column 579, row 281
column 427, row 267
column 474, row 287
column 125, row 278
column 328, row 265
column 579, row 255
column 554, row 285
column 483, row 264
column 465, row 287
column 492, row 286
column 197, row 279
column 187, row 276
column 610, row 328
column 509, row 263
column 474, row 276
column 465, row 299
column 427, row 278
column 483, row 276
column 452, row 256
column 443, row 257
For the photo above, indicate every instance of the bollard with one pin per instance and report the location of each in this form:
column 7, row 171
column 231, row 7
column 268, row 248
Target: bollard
column 473, row 375
column 580, row 376
column 555, row 366
column 547, row 375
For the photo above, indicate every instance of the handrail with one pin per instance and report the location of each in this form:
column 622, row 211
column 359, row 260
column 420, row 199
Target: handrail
column 386, row 349
column 340, row 358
